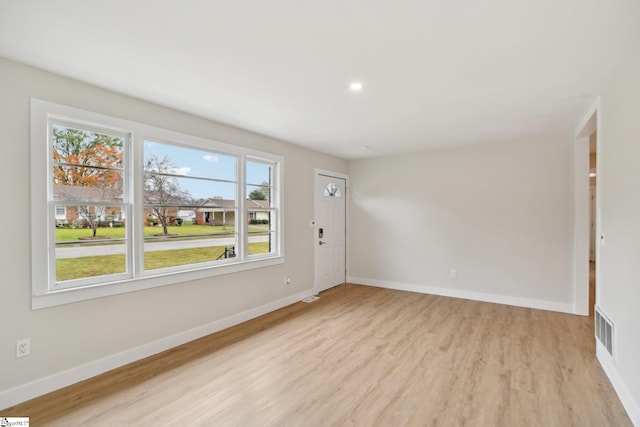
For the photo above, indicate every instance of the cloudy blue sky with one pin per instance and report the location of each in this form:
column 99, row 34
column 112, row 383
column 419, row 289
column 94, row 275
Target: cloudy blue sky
column 194, row 163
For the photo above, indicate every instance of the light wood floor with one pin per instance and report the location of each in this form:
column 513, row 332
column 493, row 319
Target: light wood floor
column 359, row 356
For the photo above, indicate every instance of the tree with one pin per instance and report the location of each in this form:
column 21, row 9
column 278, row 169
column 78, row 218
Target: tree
column 261, row 193
column 86, row 167
column 92, row 216
column 162, row 191
column 257, row 194
column 86, row 159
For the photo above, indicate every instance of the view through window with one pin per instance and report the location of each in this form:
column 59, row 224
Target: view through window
column 120, row 209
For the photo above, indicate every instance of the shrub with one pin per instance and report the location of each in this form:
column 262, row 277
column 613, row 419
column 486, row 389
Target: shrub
column 254, row 221
column 81, row 223
column 264, row 221
column 179, row 221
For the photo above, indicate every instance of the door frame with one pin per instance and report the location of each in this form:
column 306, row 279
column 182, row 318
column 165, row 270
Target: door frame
column 316, row 174
column 581, row 191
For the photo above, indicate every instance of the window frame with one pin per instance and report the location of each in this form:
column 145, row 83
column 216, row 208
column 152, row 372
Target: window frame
column 125, row 204
column 140, row 191
column 274, row 226
column 45, row 293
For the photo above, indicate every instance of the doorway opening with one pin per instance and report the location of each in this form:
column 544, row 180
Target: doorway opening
column 593, row 177
column 586, row 234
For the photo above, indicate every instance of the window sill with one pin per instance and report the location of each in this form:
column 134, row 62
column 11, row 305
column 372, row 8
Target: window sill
column 67, row 296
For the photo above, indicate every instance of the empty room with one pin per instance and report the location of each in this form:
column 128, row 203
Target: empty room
column 363, row 213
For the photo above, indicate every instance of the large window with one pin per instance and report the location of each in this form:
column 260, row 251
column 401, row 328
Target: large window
column 88, row 181
column 261, row 211
column 120, row 206
column 190, row 203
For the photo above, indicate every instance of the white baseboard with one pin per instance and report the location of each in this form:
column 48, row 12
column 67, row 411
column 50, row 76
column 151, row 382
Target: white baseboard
column 631, row 406
column 57, row 381
column 457, row 293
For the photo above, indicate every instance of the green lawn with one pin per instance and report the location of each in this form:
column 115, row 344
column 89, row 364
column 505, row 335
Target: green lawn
column 70, row 234
column 82, row 267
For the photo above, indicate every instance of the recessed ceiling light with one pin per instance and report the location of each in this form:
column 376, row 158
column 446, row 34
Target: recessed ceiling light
column 592, row 175
column 355, row 86
column 365, row 147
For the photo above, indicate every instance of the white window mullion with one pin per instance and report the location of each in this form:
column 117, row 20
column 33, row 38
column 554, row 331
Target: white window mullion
column 243, row 241
column 50, row 228
column 136, row 224
column 274, row 226
column 51, row 245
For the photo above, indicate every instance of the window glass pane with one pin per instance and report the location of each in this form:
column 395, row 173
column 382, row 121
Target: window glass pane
column 258, row 174
column 189, row 218
column 258, row 196
column 259, row 185
column 189, row 162
column 96, row 185
column 259, row 220
column 204, row 253
column 86, row 165
column 263, row 243
column 199, row 192
column 261, row 233
column 189, row 243
column 260, row 208
column 90, row 243
column 332, row 190
column 81, row 147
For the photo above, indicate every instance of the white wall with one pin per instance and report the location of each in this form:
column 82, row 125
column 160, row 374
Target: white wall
column 501, row 214
column 69, row 336
column 618, row 286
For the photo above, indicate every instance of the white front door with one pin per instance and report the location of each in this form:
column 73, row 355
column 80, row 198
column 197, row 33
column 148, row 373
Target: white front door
column 330, row 231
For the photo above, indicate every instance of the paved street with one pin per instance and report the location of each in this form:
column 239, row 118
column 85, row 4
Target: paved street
column 98, row 250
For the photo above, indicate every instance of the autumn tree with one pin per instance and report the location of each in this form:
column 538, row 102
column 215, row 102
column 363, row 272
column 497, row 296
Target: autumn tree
column 87, row 167
column 86, row 159
column 162, row 191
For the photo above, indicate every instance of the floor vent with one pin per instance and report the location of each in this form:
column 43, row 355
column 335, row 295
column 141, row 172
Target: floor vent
column 604, row 331
column 310, row 299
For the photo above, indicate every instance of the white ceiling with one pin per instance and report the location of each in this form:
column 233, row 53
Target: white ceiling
column 435, row 73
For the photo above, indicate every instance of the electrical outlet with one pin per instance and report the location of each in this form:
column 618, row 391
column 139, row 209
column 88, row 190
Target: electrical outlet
column 454, row 274
column 23, row 347
column 287, row 281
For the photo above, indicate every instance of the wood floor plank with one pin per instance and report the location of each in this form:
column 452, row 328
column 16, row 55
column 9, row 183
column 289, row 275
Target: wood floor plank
column 359, row 356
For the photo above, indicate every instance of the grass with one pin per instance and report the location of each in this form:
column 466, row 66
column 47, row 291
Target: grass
column 77, row 268
column 83, row 267
column 71, row 234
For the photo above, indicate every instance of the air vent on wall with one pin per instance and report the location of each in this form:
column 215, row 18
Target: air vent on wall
column 604, row 331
